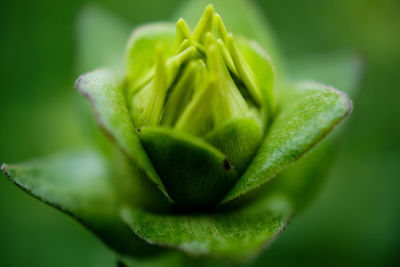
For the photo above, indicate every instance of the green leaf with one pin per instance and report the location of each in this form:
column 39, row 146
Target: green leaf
column 102, row 89
column 80, row 184
column 302, row 181
column 102, row 38
column 307, row 113
column 194, row 173
column 237, row 234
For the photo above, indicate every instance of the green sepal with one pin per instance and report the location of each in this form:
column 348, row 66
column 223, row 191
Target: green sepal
column 238, row 139
column 238, row 234
column 302, row 181
column 81, row 184
column 308, row 111
column 194, row 173
column 103, row 90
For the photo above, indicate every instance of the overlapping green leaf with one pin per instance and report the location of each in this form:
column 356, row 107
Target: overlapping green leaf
column 238, row 139
column 102, row 89
column 302, row 181
column 236, row 234
column 307, row 113
column 195, row 173
column 80, row 183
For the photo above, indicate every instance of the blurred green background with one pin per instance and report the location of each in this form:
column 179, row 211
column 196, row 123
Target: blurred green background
column 355, row 219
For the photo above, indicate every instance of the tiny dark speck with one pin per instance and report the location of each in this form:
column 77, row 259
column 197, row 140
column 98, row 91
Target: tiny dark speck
column 227, row 165
column 138, row 130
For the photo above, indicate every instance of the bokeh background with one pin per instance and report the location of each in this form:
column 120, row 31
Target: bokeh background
column 353, row 222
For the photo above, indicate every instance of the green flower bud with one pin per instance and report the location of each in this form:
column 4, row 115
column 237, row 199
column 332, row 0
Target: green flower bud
column 198, row 109
column 194, row 124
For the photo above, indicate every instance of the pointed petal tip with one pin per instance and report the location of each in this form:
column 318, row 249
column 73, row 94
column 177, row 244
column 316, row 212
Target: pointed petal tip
column 209, row 9
column 182, row 25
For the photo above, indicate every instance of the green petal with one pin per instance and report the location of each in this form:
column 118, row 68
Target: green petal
column 141, row 48
column 101, row 38
column 102, row 89
column 80, row 183
column 264, row 74
column 305, row 117
column 193, row 172
column 237, row 234
column 241, row 17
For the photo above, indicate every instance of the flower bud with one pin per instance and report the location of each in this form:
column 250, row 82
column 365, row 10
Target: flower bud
column 199, row 109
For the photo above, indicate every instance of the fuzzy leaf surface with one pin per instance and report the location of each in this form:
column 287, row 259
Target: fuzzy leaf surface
column 102, row 89
column 306, row 114
column 80, row 184
column 237, row 234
